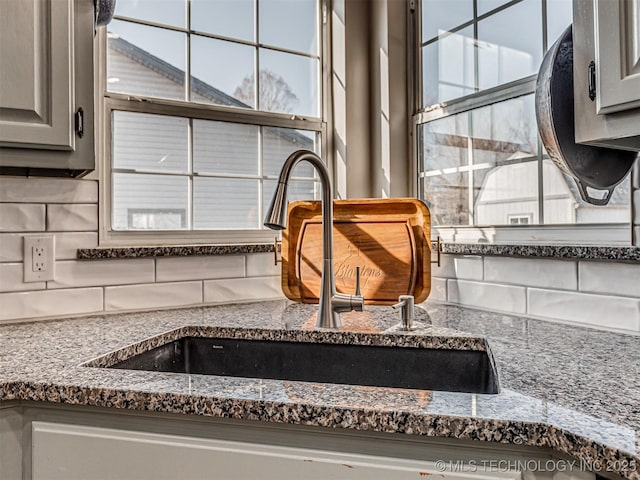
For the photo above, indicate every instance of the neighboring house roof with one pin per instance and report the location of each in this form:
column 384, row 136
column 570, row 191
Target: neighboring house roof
column 199, row 87
column 172, row 72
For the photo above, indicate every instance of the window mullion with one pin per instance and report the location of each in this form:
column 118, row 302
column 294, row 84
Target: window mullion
column 261, row 207
column 540, row 183
column 208, row 112
column 476, row 60
column 187, row 68
column 190, row 203
column 472, row 219
column 257, row 56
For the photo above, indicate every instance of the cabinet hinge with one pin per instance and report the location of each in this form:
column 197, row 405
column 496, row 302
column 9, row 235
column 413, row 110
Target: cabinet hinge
column 592, row 80
column 79, row 120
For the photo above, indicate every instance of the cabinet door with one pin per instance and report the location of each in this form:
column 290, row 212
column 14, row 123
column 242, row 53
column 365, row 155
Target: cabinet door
column 62, row 451
column 606, row 32
column 36, row 78
column 617, row 55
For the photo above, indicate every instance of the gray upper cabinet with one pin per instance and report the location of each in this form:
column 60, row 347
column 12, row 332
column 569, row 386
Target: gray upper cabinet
column 35, row 98
column 46, row 76
column 607, row 33
column 618, row 30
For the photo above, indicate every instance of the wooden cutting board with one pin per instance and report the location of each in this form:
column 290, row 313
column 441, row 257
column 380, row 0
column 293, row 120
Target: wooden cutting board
column 387, row 238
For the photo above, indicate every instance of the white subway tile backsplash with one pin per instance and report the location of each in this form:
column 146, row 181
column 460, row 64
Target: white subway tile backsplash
column 620, row 279
column 636, row 236
column 438, row 289
column 11, row 247
column 242, row 289
column 505, row 298
column 22, row 217
column 155, row 295
column 199, row 267
column 11, row 279
column 68, row 243
column 609, row 293
column 262, row 265
column 72, row 217
column 467, row 267
column 602, row 310
column 561, row 274
column 88, row 273
column 50, row 303
column 48, row 190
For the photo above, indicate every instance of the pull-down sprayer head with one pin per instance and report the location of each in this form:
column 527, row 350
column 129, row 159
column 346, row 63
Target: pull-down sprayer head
column 276, row 218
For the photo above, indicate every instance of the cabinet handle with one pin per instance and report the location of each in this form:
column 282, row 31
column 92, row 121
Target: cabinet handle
column 592, row 80
column 79, row 117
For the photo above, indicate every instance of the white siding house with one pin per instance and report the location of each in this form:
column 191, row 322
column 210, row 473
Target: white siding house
column 235, row 164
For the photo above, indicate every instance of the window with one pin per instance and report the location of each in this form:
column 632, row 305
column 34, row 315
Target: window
column 203, row 102
column 481, row 165
column 520, row 219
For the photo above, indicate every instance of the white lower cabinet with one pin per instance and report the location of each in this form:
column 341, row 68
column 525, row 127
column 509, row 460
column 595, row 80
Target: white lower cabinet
column 62, row 451
column 71, row 451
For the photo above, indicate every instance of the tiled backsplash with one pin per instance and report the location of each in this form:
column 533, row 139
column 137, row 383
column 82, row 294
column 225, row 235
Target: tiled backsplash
column 597, row 293
column 603, row 294
column 68, row 209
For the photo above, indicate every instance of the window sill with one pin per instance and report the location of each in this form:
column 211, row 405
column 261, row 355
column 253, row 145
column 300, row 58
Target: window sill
column 605, row 253
column 172, row 251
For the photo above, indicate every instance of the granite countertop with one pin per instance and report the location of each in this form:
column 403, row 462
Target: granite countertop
column 573, row 389
column 576, row 252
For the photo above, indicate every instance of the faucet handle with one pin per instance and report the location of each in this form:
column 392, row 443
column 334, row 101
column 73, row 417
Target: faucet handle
column 357, row 292
column 343, row 302
column 357, row 300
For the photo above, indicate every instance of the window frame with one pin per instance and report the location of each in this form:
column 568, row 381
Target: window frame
column 584, row 234
column 108, row 102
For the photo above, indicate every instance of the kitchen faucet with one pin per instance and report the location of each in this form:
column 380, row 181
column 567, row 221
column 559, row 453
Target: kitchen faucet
column 331, row 303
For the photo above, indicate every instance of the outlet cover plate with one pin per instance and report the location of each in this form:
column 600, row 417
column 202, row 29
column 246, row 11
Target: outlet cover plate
column 39, row 258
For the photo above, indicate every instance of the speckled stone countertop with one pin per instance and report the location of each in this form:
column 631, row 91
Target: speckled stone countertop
column 578, row 252
column 573, row 389
column 606, row 253
column 171, row 251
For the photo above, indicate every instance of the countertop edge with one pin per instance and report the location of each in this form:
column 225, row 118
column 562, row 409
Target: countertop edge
column 520, row 433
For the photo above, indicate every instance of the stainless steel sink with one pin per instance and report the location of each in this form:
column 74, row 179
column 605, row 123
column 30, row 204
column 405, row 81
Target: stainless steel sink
column 398, row 367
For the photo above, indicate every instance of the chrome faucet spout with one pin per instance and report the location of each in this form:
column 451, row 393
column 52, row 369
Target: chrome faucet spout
column 331, row 303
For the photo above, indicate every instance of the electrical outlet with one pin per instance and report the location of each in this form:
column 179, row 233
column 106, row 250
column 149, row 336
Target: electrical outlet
column 39, row 258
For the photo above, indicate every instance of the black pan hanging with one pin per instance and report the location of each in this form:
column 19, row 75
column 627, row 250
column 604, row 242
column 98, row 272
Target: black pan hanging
column 598, row 168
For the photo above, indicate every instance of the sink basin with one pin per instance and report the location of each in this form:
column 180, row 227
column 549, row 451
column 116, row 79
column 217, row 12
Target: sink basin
column 398, row 367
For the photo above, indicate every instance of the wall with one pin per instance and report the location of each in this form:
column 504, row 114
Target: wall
column 602, row 294
column 370, row 99
column 596, row 293
column 68, row 209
